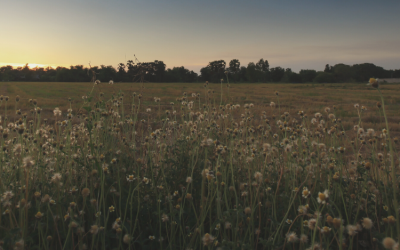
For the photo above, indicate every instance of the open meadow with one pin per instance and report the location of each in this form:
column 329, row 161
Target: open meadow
column 199, row 166
column 310, row 97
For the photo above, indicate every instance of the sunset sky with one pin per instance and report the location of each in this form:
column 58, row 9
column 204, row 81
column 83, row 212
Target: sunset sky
column 295, row 34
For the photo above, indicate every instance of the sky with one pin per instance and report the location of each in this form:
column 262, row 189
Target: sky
column 294, row 34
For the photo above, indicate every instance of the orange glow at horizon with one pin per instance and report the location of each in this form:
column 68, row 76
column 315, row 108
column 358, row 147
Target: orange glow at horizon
column 30, row 65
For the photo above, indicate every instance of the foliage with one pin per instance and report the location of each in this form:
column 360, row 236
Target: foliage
column 215, row 71
column 324, row 77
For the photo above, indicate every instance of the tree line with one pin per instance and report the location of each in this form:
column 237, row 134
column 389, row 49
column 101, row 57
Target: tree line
column 215, row 71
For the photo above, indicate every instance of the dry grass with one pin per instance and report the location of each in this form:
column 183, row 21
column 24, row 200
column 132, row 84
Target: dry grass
column 293, row 97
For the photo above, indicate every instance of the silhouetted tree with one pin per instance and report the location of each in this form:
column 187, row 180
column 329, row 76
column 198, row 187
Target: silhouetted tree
column 276, row 74
column 307, row 75
column 217, row 69
column 234, row 68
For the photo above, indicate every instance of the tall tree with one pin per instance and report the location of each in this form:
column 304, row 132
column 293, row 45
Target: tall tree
column 217, row 69
column 262, row 66
column 276, row 74
column 234, row 68
column 307, row 75
column 251, row 72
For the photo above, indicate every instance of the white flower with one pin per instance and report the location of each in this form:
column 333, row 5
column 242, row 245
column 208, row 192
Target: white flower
column 57, row 111
column 322, row 197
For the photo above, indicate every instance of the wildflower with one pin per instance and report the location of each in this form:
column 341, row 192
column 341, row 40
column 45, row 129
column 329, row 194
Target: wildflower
column 388, row 243
column 207, row 239
column 146, row 180
column 94, row 229
column 302, row 209
column 189, row 179
column 367, row 223
column 312, row 223
column 303, row 239
column 19, row 245
column 130, row 178
column 325, row 230
column 126, row 239
column 322, row 197
column 289, row 221
column 292, row 237
column 305, row 192
column 28, row 162
column 111, row 82
column 111, row 209
column 218, row 226
column 164, row 218
column 46, row 198
column 352, row 230
column 115, row 226
column 8, row 195
column 386, row 208
column 337, row 222
column 39, row 215
column 373, row 82
column 391, row 219
column 57, row 112
column 56, row 178
column 66, row 217
column 152, row 237
column 17, row 148
column 258, row 176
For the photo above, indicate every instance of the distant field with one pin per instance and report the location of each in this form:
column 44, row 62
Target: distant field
column 293, row 97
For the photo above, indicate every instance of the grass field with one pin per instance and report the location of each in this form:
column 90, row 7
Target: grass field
column 186, row 166
column 295, row 96
column 310, row 98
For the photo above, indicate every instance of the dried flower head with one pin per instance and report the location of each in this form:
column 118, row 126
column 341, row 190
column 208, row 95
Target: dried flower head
column 373, row 82
column 292, row 237
column 207, row 239
column 85, row 192
column 388, row 243
column 367, row 223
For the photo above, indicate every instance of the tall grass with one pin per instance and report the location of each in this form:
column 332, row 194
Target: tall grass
column 195, row 175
